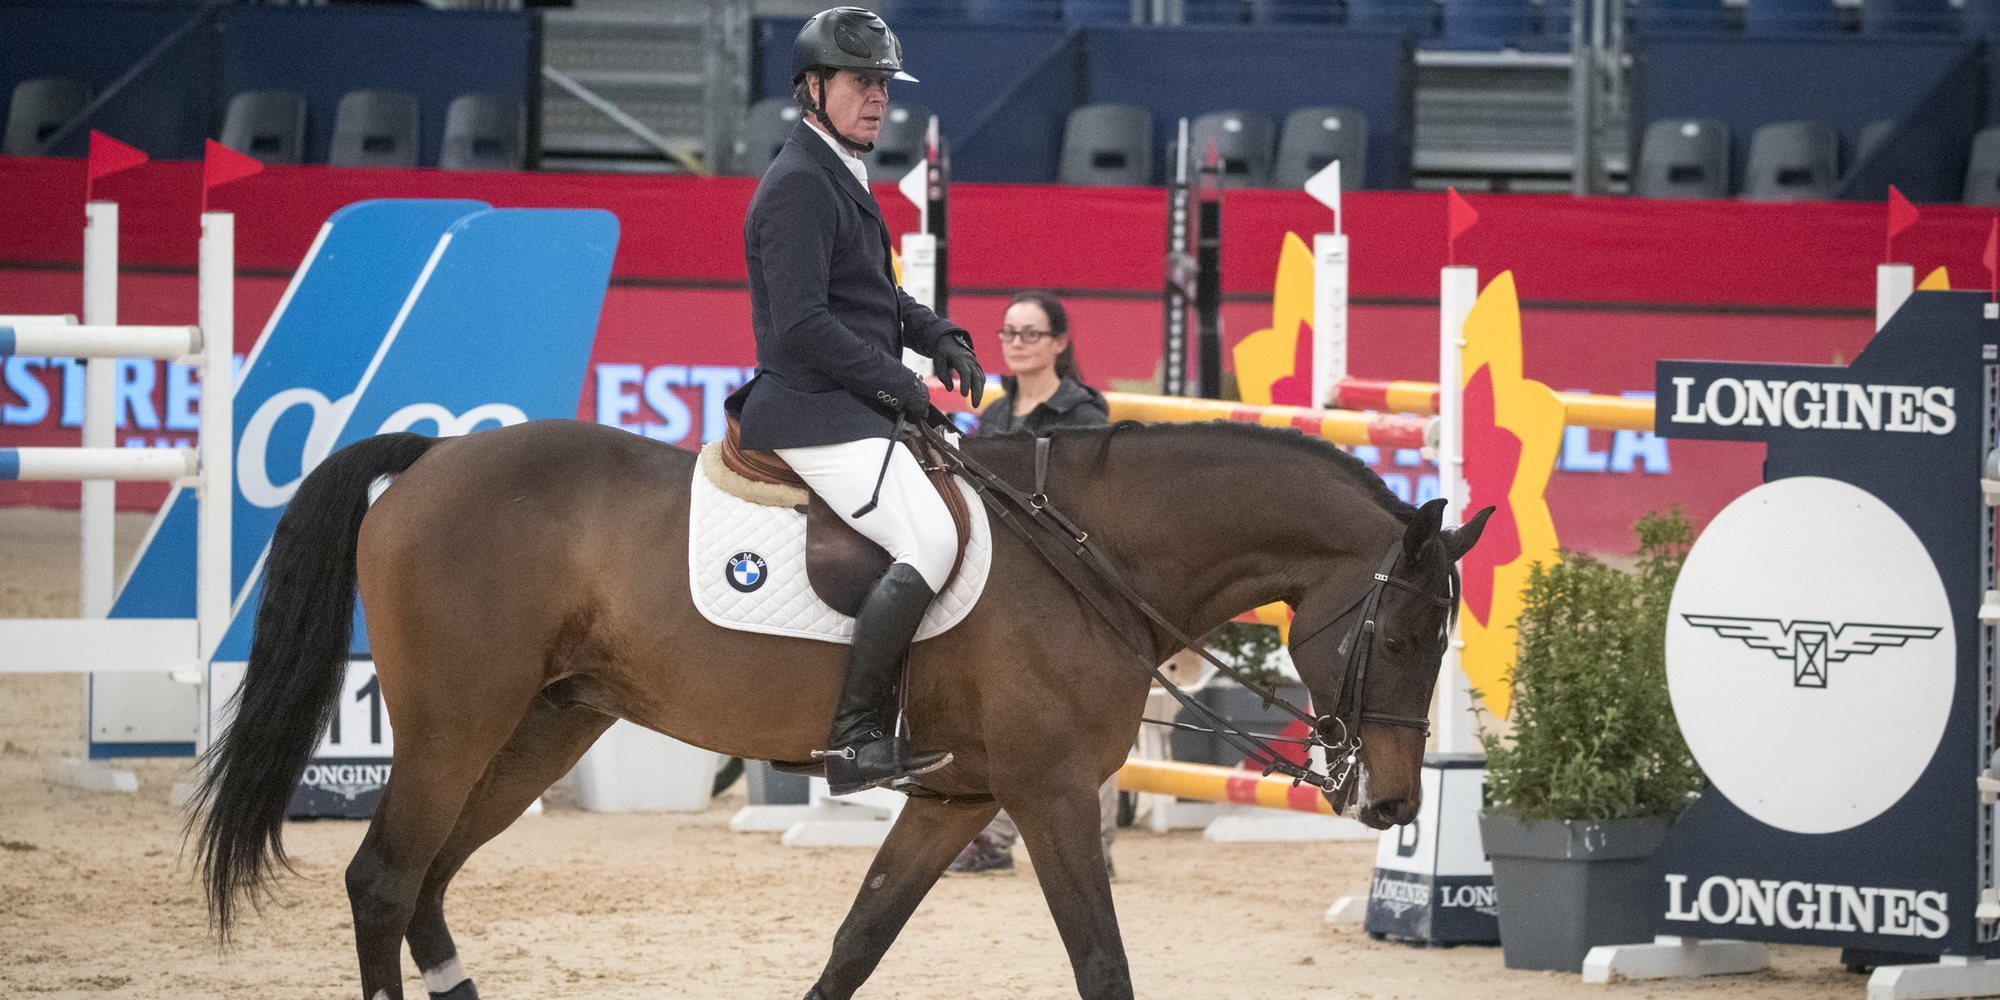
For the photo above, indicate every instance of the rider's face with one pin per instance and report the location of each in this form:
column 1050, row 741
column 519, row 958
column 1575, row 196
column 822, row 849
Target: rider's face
column 856, row 100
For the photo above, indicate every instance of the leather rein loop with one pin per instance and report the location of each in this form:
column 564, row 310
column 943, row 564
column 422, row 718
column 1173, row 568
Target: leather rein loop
column 1338, row 733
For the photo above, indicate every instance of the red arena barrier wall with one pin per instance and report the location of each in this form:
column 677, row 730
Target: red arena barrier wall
column 1609, row 285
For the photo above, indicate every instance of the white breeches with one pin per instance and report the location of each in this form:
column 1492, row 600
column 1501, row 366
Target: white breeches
column 910, row 522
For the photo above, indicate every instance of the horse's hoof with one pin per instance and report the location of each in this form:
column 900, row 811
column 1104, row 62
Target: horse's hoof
column 462, row 991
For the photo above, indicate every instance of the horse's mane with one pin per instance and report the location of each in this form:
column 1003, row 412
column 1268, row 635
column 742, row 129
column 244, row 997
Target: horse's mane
column 1233, row 435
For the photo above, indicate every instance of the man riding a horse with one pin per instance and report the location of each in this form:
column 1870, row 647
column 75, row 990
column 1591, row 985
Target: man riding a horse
column 831, row 390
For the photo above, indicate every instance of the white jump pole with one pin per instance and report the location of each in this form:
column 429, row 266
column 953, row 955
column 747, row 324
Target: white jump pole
column 217, row 316
column 1894, row 284
column 100, row 387
column 1329, row 291
column 1458, row 288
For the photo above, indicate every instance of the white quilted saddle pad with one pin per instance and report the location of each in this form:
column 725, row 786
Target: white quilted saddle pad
column 747, row 569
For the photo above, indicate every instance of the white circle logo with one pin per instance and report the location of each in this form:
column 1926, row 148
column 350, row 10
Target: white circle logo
column 1811, row 655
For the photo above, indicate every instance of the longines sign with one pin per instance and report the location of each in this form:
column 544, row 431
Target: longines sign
column 1807, row 401
column 1722, row 901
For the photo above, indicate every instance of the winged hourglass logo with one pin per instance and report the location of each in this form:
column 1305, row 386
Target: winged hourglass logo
column 1810, row 645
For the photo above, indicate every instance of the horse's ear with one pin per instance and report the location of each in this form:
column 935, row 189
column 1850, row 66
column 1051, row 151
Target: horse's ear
column 1459, row 541
column 1423, row 527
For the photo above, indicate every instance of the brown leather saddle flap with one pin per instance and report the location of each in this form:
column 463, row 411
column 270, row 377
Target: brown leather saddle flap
column 842, row 563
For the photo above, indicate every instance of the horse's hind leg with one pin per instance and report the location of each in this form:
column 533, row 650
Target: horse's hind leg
column 543, row 748
column 927, row 836
column 444, row 740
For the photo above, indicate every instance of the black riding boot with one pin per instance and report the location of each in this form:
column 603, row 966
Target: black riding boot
column 860, row 753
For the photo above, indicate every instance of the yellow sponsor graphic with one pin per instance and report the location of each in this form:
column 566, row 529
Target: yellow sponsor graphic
column 1273, row 365
column 1513, row 430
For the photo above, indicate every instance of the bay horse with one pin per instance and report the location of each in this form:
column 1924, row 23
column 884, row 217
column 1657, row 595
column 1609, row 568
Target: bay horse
column 526, row 586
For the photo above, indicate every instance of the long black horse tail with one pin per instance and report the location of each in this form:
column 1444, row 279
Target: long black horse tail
column 298, row 659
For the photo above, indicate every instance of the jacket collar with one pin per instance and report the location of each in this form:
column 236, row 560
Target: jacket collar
column 816, row 148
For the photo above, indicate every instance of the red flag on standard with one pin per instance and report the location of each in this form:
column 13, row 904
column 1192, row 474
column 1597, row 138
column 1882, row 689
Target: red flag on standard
column 222, row 165
column 108, row 156
column 1460, row 212
column 1459, row 217
column 1902, row 215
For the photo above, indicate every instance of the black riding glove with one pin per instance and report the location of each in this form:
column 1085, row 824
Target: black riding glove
column 917, row 402
column 954, row 359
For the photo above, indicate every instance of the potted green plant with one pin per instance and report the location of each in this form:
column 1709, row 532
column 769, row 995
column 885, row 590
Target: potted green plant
column 1582, row 790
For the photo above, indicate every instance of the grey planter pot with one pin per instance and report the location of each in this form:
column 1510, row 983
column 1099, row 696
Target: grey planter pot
column 1564, row 887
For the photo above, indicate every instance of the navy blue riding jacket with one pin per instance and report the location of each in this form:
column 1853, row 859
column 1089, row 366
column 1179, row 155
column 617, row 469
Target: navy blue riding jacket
column 830, row 320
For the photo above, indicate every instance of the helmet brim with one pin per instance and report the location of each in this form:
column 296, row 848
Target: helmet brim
column 905, row 77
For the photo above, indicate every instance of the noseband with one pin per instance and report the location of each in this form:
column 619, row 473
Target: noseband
column 1339, row 732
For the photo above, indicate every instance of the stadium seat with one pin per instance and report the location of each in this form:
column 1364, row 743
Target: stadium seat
column 1212, row 11
column 922, row 10
column 901, row 144
column 1792, row 161
column 1907, row 17
column 374, row 128
column 765, row 129
column 269, row 125
column 1670, row 15
column 1314, row 137
column 1097, row 11
column 38, row 109
column 1982, row 168
column 1296, row 12
column 1244, row 141
column 1486, row 24
column 482, row 132
column 1873, row 136
column 1684, row 158
column 1013, row 11
column 1107, row 144
column 1419, row 17
column 1783, row 17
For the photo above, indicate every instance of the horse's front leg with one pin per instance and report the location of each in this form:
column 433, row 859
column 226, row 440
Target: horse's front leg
column 1062, row 831
column 926, row 837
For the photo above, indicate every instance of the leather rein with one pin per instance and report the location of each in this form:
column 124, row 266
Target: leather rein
column 1338, row 733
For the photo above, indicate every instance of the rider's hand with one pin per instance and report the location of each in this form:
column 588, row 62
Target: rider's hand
column 917, row 402
column 955, row 361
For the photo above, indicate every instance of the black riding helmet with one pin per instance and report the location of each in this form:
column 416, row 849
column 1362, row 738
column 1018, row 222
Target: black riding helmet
column 844, row 38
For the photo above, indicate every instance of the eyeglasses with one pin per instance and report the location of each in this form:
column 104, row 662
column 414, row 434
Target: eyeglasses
column 1024, row 336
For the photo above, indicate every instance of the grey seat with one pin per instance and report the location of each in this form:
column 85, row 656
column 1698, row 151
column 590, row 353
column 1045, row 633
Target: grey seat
column 1107, row 144
column 1982, row 168
column 1684, row 158
column 1873, row 135
column 1243, row 141
column 1314, row 137
column 765, row 128
column 900, row 146
column 482, row 132
column 269, row 125
column 1792, row 161
column 374, row 128
column 37, row 109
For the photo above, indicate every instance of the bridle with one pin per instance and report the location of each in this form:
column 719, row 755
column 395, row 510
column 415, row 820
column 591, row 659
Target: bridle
column 1350, row 709
column 1342, row 749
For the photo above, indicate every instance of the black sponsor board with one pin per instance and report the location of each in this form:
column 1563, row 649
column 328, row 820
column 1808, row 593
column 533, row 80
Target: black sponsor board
column 1432, row 883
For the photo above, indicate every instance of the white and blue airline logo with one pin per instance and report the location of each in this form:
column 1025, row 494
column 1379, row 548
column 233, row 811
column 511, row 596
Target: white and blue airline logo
column 746, row 571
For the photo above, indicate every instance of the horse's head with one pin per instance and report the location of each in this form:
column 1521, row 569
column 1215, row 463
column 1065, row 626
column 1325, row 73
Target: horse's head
column 1370, row 656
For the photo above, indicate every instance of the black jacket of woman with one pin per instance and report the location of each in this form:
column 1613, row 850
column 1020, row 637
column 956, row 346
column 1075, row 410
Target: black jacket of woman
column 1073, row 405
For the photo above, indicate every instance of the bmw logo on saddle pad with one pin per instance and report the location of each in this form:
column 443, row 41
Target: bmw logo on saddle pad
column 746, row 571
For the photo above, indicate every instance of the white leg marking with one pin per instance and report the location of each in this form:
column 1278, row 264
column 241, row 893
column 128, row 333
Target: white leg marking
column 445, row 976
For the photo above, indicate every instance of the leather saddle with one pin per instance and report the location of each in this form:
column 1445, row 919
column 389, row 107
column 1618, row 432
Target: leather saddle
column 841, row 563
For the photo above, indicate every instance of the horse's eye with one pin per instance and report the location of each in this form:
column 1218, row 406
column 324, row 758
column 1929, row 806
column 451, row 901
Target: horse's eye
column 1395, row 645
